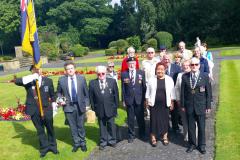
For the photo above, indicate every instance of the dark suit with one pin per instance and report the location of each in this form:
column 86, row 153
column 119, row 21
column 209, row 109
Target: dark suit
column 133, row 96
column 195, row 105
column 174, row 70
column 204, row 67
column 105, row 106
column 74, row 111
column 46, row 141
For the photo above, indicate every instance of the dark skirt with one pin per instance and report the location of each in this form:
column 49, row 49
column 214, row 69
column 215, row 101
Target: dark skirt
column 159, row 120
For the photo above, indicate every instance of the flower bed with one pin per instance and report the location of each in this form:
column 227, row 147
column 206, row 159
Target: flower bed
column 14, row 114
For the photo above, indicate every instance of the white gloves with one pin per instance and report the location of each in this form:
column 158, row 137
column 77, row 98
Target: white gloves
column 30, row 78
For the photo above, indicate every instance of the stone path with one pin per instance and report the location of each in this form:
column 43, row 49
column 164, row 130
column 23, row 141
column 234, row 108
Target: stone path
column 140, row 150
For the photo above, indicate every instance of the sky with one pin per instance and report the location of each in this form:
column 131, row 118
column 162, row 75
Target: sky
column 115, row 1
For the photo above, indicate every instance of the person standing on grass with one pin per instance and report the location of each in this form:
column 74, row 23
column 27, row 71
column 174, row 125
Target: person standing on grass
column 73, row 87
column 196, row 102
column 133, row 93
column 47, row 141
column 104, row 98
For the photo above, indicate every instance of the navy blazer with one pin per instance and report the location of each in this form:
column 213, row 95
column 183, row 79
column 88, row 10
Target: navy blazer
column 46, row 91
column 104, row 105
column 82, row 93
column 201, row 99
column 174, row 70
column 132, row 92
column 204, row 67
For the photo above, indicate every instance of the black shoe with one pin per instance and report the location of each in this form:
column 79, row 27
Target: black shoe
column 202, row 150
column 113, row 145
column 43, row 154
column 75, row 148
column 84, row 148
column 130, row 140
column 190, row 149
column 54, row 151
column 102, row 148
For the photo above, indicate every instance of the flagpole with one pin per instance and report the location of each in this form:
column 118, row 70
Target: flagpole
column 39, row 100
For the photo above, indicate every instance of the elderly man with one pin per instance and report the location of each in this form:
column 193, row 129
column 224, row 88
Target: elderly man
column 104, row 100
column 133, row 92
column 196, row 102
column 74, row 88
column 172, row 70
column 47, row 140
column 149, row 64
column 185, row 68
column 131, row 53
column 186, row 54
column 110, row 71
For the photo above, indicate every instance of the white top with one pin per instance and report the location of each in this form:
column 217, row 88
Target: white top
column 149, row 68
column 152, row 88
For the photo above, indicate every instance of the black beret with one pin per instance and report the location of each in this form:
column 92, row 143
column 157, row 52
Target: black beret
column 131, row 59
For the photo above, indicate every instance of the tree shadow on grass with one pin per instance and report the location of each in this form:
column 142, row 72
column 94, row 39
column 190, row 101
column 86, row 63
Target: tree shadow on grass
column 27, row 136
column 64, row 134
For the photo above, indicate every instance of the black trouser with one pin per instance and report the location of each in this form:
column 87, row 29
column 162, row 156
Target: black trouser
column 107, row 131
column 76, row 123
column 200, row 119
column 46, row 141
column 175, row 117
column 138, row 111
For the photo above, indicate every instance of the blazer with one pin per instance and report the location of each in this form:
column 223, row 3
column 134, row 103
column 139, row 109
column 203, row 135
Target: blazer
column 174, row 70
column 104, row 104
column 201, row 99
column 46, row 91
column 82, row 93
column 152, row 88
column 204, row 67
column 132, row 92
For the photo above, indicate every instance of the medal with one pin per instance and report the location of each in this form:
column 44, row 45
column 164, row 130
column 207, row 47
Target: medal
column 193, row 91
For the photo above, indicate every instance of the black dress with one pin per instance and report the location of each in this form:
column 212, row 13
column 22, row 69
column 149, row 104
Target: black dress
column 159, row 114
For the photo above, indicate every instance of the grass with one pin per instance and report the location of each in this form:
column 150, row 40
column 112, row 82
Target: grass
column 19, row 139
column 227, row 117
column 230, row 52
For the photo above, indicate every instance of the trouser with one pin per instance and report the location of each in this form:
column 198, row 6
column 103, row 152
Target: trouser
column 76, row 123
column 107, row 131
column 175, row 117
column 200, row 119
column 138, row 111
column 46, row 141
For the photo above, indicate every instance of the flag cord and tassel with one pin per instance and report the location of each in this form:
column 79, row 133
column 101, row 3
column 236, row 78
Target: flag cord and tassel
column 39, row 100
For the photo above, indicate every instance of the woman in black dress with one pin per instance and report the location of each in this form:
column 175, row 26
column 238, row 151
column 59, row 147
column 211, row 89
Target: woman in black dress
column 159, row 96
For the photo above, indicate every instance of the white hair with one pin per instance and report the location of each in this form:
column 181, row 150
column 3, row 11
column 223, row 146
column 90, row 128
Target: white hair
column 130, row 49
column 102, row 69
column 195, row 60
column 150, row 49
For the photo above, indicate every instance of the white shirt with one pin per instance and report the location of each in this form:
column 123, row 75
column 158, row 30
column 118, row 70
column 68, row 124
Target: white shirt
column 104, row 83
column 70, row 84
column 134, row 74
column 149, row 68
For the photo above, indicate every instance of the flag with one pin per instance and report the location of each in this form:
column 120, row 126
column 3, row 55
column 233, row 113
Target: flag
column 29, row 34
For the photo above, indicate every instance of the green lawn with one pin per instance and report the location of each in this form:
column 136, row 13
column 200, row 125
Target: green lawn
column 230, row 52
column 227, row 117
column 19, row 139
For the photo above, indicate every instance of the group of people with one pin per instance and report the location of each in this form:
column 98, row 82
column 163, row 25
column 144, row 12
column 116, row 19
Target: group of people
column 160, row 87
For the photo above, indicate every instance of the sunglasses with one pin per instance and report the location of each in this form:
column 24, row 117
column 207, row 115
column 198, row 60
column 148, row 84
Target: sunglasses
column 195, row 64
column 111, row 66
column 101, row 74
column 150, row 52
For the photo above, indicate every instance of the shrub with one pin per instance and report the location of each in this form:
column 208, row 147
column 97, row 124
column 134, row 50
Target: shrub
column 164, row 38
column 135, row 42
column 121, row 46
column 110, row 51
column 6, row 58
column 152, row 43
column 112, row 44
column 65, row 44
column 79, row 51
column 144, row 47
column 49, row 50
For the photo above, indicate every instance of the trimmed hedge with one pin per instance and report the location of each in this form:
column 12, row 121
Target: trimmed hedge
column 79, row 51
column 164, row 38
column 135, row 42
column 110, row 51
column 152, row 43
column 49, row 50
column 112, row 44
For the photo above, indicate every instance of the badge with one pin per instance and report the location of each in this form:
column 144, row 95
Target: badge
column 140, row 81
column 102, row 91
column 140, row 77
column 193, row 91
column 46, row 89
column 126, row 80
column 110, row 90
column 202, row 89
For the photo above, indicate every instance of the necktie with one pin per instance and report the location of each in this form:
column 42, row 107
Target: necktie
column 194, row 78
column 167, row 72
column 74, row 93
column 132, row 77
column 102, row 86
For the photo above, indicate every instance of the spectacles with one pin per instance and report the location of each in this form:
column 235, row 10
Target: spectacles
column 111, row 66
column 195, row 64
column 150, row 52
column 101, row 74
